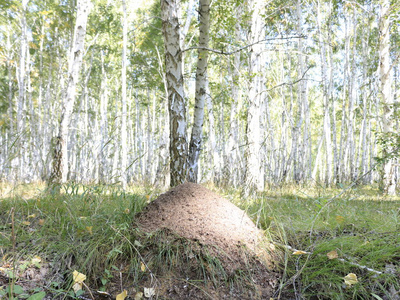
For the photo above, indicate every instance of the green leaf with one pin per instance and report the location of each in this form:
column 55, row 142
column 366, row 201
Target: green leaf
column 37, row 296
column 17, row 289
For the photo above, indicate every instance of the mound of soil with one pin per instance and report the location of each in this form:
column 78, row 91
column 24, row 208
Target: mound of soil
column 201, row 216
column 194, row 212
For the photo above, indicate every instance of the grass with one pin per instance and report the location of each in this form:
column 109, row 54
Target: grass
column 89, row 228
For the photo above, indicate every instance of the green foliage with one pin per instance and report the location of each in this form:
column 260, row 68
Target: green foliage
column 360, row 225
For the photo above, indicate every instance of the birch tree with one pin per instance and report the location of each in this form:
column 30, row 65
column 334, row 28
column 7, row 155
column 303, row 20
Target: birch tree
column 124, row 143
column 60, row 159
column 176, row 97
column 388, row 179
column 254, row 174
column 201, row 91
column 22, row 76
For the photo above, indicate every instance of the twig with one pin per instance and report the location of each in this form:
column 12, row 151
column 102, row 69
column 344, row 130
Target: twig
column 360, row 266
column 91, row 295
column 290, row 248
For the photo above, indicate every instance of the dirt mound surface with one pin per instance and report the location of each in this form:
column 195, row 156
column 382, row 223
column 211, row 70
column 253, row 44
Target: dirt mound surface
column 196, row 213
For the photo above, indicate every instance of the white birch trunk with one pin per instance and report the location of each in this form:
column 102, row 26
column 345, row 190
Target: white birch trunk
column 326, row 94
column 124, row 143
column 60, row 159
column 201, row 91
column 254, row 174
column 176, row 96
column 21, row 77
column 103, row 167
column 388, row 179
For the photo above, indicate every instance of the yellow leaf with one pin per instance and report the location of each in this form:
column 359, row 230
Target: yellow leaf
column 350, row 279
column 82, row 218
column 332, row 254
column 299, row 252
column 26, row 223
column 122, row 296
column 78, row 277
column 41, row 222
column 32, row 216
column 89, row 229
column 339, row 219
column 77, row 286
column 148, row 197
column 127, row 210
column 142, row 267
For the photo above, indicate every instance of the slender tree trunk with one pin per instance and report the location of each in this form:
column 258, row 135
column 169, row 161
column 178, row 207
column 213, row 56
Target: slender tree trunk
column 201, row 91
column 232, row 150
column 176, row 96
column 254, row 170
column 60, row 159
column 124, row 143
column 103, row 167
column 11, row 117
column 214, row 155
column 21, row 93
column 326, row 96
column 364, row 99
column 387, row 178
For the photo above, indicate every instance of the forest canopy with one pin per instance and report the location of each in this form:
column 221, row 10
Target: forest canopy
column 293, row 91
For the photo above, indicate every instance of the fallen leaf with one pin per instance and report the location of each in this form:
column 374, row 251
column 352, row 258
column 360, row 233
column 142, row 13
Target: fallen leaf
column 77, row 286
column 350, row 279
column 299, row 252
column 148, row 197
column 26, row 223
column 142, row 267
column 78, row 277
column 332, row 254
column 127, row 211
column 89, row 229
column 122, row 296
column 149, row 292
column 339, row 219
column 32, row 216
column 41, row 222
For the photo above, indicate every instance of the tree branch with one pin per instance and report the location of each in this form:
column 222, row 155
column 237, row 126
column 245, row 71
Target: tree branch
column 244, row 47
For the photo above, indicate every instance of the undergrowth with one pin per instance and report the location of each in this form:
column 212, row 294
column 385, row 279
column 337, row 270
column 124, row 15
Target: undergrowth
column 89, row 228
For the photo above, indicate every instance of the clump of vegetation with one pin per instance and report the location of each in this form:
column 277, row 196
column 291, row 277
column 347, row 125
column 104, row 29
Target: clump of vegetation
column 341, row 249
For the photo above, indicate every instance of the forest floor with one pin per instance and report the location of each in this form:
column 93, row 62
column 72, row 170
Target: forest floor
column 99, row 242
